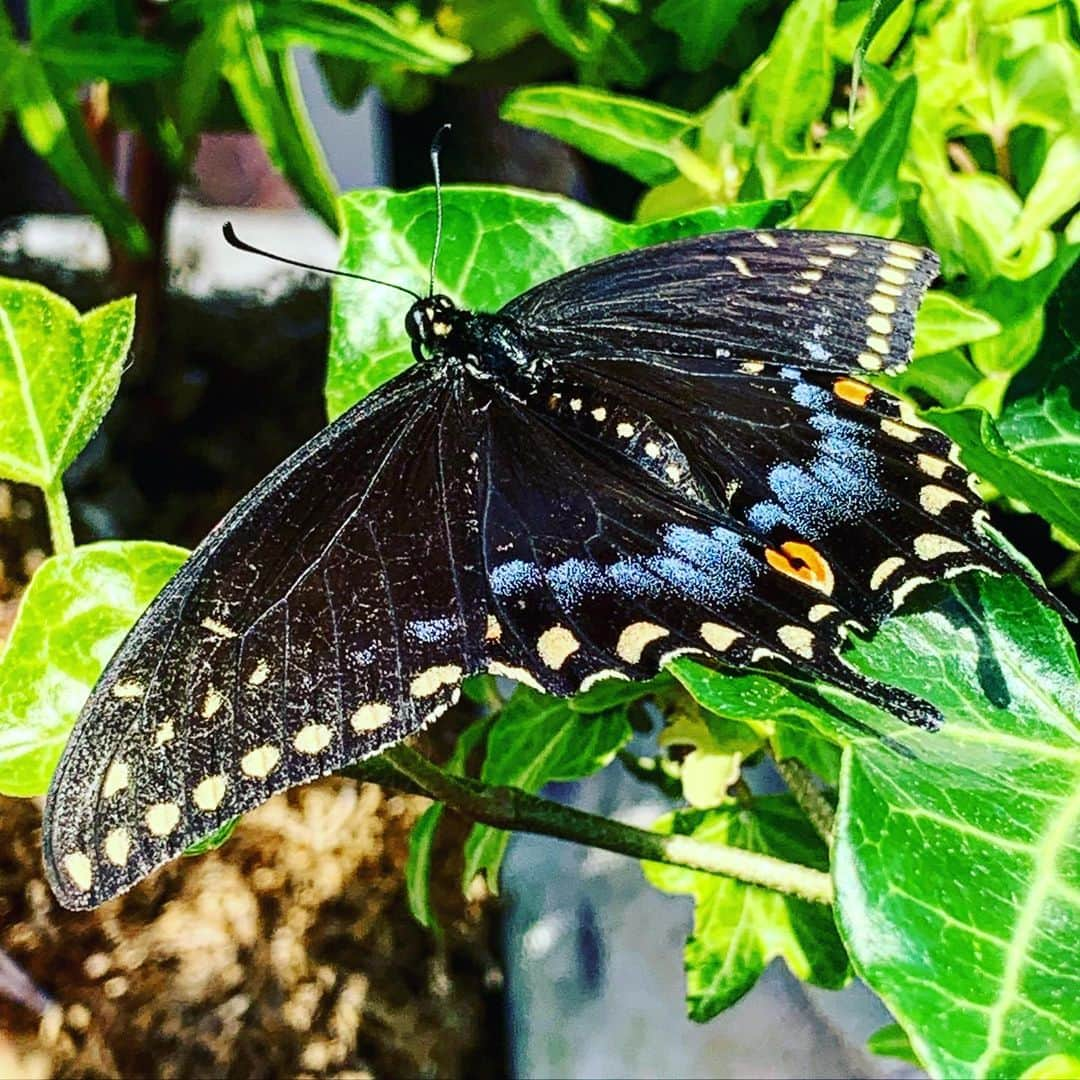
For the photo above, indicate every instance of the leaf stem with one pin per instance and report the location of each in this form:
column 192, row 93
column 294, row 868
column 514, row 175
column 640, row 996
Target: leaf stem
column 511, row 808
column 56, row 505
column 811, row 799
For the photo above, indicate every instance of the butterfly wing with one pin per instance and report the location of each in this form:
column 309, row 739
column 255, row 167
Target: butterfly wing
column 333, row 612
column 833, row 301
column 720, row 366
column 597, row 569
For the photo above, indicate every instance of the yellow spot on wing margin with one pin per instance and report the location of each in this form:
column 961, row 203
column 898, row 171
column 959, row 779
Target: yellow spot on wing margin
column 432, row 680
column 118, row 847
column 116, row 779
column 80, row 870
column 718, row 637
column 556, row 645
column 371, row 717
column 162, row 818
column 313, row 739
column 634, row 639
column 260, row 762
column 208, row 795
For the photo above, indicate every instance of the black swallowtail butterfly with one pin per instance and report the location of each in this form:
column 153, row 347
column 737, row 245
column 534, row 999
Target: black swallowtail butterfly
column 662, row 453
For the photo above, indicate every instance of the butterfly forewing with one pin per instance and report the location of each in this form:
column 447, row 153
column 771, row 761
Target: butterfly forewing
column 332, row 613
column 826, row 300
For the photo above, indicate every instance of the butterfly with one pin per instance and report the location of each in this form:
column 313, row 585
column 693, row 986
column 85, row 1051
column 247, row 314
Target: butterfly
column 669, row 452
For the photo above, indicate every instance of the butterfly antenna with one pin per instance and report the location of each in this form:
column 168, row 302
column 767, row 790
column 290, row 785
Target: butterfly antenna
column 242, row 245
column 436, row 146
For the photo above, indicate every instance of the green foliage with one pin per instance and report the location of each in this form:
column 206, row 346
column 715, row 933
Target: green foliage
column 537, row 738
column 739, row 929
column 59, row 373
column 956, row 877
column 953, row 858
column 172, row 75
column 71, row 620
column 1031, row 454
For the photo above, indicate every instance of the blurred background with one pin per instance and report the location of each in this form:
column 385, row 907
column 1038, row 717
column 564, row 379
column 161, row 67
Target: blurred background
column 130, row 132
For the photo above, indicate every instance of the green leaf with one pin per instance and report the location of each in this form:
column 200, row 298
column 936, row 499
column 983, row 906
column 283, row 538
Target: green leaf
column 794, row 87
column 713, row 764
column 267, row 92
column 945, row 377
column 59, row 373
column 863, row 194
column 71, row 620
column 738, row 928
column 200, row 79
column 537, row 738
column 702, row 27
column 1055, row 193
column 892, row 1041
column 86, row 57
column 497, row 243
column 1031, row 455
column 642, row 139
column 48, row 15
column 881, row 11
column 943, row 323
column 958, row 885
column 358, row 31
column 418, row 867
column 422, row 836
column 772, row 708
column 54, row 129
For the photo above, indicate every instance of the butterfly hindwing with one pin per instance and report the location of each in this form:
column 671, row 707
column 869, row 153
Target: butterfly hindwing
column 596, row 571
column 332, row 613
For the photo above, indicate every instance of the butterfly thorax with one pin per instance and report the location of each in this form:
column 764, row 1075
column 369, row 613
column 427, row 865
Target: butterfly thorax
column 483, row 345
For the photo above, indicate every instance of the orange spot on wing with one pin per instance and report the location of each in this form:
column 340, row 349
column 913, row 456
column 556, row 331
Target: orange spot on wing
column 804, row 563
column 856, row 392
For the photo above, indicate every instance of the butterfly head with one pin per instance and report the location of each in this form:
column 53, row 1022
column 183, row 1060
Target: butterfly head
column 429, row 324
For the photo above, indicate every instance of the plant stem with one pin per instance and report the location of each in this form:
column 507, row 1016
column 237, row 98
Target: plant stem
column 510, row 808
column 56, row 505
column 811, row 800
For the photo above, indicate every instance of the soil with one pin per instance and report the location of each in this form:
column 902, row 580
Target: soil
column 290, row 951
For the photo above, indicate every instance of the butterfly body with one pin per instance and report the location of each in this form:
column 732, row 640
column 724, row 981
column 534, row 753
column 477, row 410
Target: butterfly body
column 660, row 454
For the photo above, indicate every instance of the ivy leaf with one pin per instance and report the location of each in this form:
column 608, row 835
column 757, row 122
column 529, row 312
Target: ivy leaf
column 892, row 1041
column 497, row 243
column 739, row 928
column 641, row 138
column 956, row 884
column 71, row 620
column 958, row 887
column 1031, row 455
column 59, row 373
column 537, row 738
column 773, row 709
